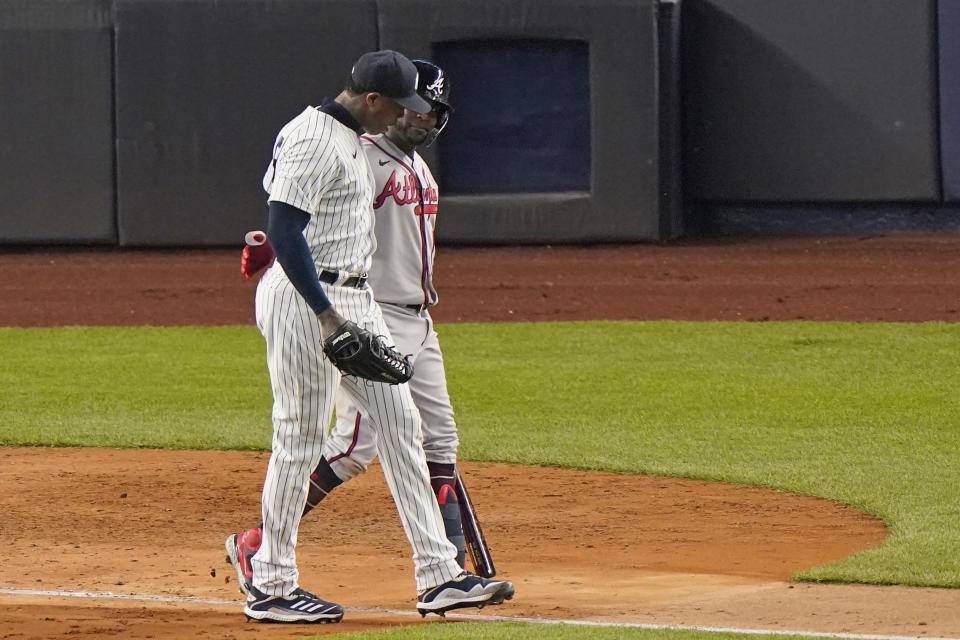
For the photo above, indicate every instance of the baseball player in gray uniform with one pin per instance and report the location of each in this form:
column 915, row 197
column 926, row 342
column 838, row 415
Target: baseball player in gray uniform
column 321, row 193
column 402, row 280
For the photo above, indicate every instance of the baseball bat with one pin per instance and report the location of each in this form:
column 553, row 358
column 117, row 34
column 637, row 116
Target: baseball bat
column 476, row 542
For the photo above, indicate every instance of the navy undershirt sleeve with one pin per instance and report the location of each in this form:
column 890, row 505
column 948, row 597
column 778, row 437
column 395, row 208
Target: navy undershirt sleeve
column 285, row 226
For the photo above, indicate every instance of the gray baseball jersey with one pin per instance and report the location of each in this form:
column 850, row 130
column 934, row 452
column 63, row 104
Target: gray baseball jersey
column 318, row 167
column 401, row 274
column 405, row 202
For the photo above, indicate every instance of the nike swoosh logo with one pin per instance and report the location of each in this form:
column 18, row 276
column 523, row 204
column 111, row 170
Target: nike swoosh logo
column 354, row 155
column 383, row 162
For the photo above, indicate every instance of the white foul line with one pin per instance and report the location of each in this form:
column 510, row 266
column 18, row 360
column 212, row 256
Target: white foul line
column 460, row 616
column 59, row 593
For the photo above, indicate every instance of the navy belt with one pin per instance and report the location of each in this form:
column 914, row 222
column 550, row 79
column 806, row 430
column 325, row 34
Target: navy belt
column 333, row 277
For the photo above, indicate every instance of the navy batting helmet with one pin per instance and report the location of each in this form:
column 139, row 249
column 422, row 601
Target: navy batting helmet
column 434, row 87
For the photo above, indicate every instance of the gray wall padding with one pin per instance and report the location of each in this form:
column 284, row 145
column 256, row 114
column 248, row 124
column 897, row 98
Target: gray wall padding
column 813, row 100
column 56, row 122
column 671, row 127
column 623, row 201
column 949, row 28
column 202, row 89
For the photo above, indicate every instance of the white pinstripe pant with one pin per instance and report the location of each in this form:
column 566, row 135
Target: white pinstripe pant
column 304, row 385
column 353, row 443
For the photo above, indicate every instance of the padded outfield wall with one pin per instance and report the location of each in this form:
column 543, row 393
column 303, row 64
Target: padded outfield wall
column 557, row 130
column 948, row 28
column 820, row 100
column 196, row 90
column 149, row 122
column 56, row 122
column 820, row 115
column 202, row 89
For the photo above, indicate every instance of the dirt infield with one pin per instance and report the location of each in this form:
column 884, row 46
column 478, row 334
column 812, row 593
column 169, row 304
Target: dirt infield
column 148, row 525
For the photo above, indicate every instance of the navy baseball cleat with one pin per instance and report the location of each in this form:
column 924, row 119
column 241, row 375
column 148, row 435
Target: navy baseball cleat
column 240, row 548
column 300, row 606
column 466, row 590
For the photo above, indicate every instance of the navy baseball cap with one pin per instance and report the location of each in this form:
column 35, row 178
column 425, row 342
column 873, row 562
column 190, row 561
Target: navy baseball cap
column 391, row 75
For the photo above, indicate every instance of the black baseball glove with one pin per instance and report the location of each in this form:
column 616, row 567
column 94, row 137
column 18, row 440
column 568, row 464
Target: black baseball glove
column 357, row 352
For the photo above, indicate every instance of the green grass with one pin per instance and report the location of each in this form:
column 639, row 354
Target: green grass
column 862, row 413
column 868, row 414
column 179, row 387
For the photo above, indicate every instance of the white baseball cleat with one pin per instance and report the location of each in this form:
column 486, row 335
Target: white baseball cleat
column 299, row 607
column 466, row 590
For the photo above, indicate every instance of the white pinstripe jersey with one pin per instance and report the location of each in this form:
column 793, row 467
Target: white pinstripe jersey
column 406, row 214
column 317, row 167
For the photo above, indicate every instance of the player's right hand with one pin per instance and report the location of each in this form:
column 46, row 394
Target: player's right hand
column 256, row 255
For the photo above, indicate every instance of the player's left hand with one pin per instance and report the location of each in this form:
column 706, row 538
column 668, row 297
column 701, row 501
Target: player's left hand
column 357, row 352
column 256, row 255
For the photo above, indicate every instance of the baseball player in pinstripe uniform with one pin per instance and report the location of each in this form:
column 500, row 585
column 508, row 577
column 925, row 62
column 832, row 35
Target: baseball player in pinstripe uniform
column 320, row 225
column 401, row 275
